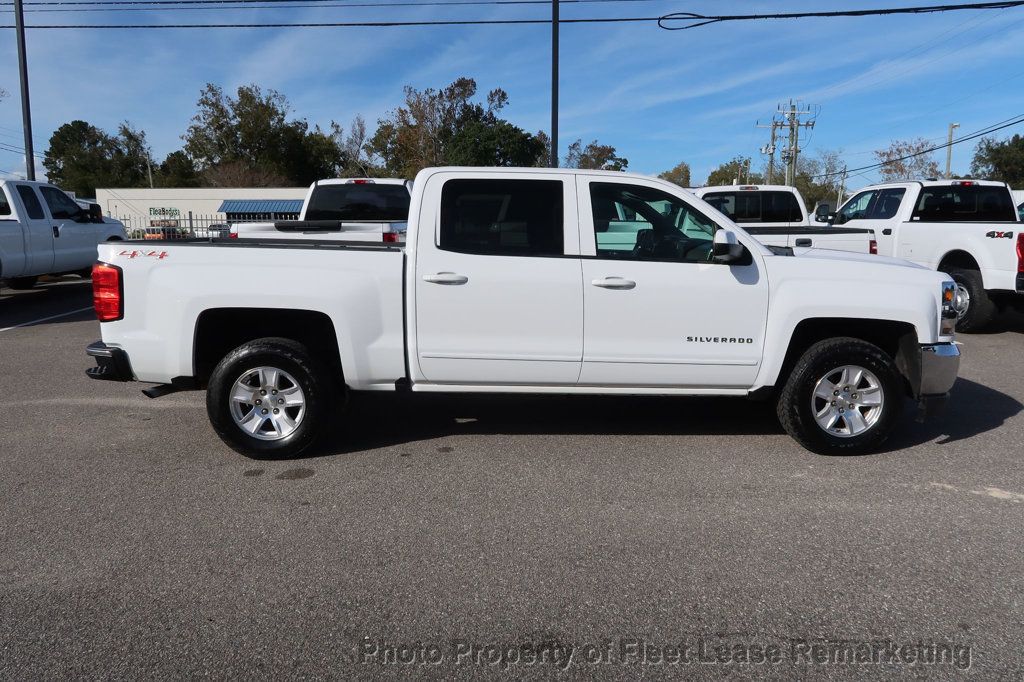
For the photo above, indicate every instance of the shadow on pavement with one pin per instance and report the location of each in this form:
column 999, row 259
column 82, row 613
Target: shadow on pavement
column 53, row 297
column 377, row 421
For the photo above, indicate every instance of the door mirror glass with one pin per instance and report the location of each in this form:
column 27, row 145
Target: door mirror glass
column 823, row 214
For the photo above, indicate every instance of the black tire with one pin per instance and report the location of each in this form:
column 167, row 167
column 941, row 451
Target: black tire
column 317, row 389
column 795, row 410
column 981, row 310
column 22, row 283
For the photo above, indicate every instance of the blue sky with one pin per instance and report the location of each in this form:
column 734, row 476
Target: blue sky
column 660, row 97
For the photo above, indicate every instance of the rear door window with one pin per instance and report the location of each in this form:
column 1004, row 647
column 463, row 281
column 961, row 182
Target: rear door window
column 33, row 208
column 502, row 217
column 965, row 204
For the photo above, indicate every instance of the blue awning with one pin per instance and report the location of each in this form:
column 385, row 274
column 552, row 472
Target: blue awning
column 261, row 206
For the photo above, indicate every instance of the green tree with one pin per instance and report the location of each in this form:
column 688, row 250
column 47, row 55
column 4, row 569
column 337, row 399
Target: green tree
column 594, row 156
column 82, row 157
column 907, row 160
column 497, row 143
column 736, row 170
column 680, row 175
column 252, row 131
column 177, row 170
column 1003, row 161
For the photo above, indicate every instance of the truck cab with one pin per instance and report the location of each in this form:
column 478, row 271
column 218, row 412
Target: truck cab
column 44, row 231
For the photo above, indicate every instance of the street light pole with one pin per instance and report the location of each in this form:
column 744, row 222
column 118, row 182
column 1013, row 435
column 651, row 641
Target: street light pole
column 949, row 148
column 26, row 109
column 554, row 83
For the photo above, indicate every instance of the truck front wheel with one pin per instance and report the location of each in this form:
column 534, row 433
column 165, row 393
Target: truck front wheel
column 974, row 308
column 843, row 397
column 269, row 398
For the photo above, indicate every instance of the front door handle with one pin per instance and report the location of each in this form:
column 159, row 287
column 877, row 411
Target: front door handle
column 446, row 278
column 56, row 231
column 804, row 241
column 887, row 231
column 614, row 283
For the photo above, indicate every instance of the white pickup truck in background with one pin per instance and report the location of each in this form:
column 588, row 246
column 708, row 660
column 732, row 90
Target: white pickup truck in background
column 966, row 228
column 777, row 216
column 342, row 209
column 506, row 285
column 43, row 231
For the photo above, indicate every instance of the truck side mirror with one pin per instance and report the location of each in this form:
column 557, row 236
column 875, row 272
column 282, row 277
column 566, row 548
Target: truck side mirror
column 823, row 214
column 725, row 248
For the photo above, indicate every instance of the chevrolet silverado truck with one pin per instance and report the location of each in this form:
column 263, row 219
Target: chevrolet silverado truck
column 43, row 231
column 777, row 217
column 346, row 209
column 966, row 228
column 505, row 285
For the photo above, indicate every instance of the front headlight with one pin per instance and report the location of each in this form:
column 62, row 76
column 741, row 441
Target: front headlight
column 947, row 324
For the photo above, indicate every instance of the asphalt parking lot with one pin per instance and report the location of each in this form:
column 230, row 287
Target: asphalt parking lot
column 134, row 544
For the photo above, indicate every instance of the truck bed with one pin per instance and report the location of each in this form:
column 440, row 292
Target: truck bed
column 167, row 285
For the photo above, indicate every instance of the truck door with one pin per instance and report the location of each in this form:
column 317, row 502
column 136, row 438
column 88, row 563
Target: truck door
column 74, row 243
column 498, row 297
column 37, row 231
column 12, row 238
column 657, row 311
column 878, row 210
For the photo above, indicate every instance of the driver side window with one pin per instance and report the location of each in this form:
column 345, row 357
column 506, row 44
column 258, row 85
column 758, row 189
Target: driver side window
column 62, row 207
column 632, row 222
column 857, row 208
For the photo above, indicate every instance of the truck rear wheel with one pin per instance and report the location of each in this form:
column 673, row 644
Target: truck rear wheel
column 22, row 283
column 842, row 398
column 269, row 398
column 974, row 308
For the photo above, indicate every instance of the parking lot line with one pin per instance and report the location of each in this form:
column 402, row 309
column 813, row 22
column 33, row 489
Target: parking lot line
column 44, row 319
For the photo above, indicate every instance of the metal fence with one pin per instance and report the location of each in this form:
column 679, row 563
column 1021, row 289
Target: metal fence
column 186, row 226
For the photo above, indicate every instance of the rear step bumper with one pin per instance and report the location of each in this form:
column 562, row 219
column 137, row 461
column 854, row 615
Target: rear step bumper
column 112, row 363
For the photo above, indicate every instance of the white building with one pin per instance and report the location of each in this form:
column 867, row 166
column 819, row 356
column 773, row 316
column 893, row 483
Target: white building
column 188, row 207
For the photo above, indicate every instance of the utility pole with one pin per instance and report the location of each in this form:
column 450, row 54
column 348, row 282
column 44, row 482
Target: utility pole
column 769, row 148
column 554, row 83
column 842, row 189
column 26, row 108
column 949, row 148
column 791, row 120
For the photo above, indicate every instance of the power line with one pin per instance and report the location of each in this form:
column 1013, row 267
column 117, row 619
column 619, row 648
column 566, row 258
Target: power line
column 985, row 131
column 705, row 20
column 357, row 24
column 68, row 6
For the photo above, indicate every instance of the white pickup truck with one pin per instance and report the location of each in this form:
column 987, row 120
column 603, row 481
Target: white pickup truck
column 966, row 228
column 505, row 285
column 43, row 231
column 347, row 209
column 777, row 217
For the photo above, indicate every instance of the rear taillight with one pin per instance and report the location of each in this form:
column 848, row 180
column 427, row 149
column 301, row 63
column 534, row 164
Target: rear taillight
column 107, row 292
column 232, row 235
column 390, row 237
column 1020, row 252
column 873, row 247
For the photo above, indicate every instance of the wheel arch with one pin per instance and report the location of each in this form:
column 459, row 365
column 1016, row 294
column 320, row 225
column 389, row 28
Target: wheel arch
column 897, row 339
column 218, row 331
column 958, row 258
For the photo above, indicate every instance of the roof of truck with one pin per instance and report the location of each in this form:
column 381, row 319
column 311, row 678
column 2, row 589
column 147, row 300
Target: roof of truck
column 750, row 187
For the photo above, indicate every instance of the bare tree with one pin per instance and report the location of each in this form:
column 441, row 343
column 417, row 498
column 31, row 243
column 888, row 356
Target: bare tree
column 907, row 160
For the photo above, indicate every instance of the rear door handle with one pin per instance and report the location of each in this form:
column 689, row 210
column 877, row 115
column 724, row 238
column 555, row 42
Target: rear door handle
column 803, row 242
column 887, row 231
column 614, row 283
column 446, row 278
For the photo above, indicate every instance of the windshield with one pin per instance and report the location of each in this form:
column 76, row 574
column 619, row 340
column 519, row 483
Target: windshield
column 757, row 206
column 363, row 202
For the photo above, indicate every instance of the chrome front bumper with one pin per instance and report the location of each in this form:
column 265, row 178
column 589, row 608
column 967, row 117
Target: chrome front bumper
column 940, row 363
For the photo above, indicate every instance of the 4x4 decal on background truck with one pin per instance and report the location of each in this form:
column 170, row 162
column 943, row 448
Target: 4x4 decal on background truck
column 999, row 235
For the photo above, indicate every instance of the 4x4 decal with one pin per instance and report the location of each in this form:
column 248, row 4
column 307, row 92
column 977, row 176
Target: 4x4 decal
column 999, row 235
